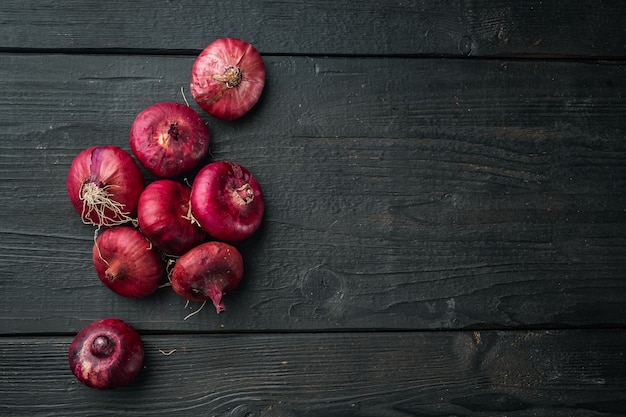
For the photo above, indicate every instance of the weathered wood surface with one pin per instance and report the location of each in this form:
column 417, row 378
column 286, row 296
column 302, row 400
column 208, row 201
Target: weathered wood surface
column 517, row 374
column 442, row 236
column 523, row 28
column 441, row 200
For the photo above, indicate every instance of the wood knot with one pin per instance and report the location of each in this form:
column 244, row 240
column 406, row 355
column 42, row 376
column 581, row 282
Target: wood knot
column 320, row 284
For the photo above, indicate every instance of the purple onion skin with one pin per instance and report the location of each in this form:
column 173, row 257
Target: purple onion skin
column 207, row 272
column 126, row 262
column 227, row 78
column 106, row 354
column 162, row 214
column 227, row 202
column 114, row 174
column 169, row 139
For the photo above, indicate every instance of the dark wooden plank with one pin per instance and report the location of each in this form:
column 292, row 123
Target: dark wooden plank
column 457, row 28
column 453, row 194
column 567, row 373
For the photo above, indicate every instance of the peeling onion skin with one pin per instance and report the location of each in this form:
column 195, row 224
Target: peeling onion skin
column 111, row 172
column 207, row 272
column 127, row 263
column 169, row 139
column 106, row 354
column 227, row 202
column 227, row 78
column 164, row 217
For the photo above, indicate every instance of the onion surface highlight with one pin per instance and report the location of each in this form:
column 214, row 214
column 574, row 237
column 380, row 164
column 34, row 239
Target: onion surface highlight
column 227, row 202
column 169, row 139
column 104, row 184
column 164, row 216
column 207, row 272
column 127, row 263
column 106, row 354
column 227, row 78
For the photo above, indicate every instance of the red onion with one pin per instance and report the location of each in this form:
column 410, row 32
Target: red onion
column 208, row 271
column 164, row 217
column 226, row 201
column 169, row 139
column 106, row 354
column 104, row 184
column 127, row 263
column 227, row 78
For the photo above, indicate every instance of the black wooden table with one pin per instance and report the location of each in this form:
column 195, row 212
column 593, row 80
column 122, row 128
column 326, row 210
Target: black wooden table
column 445, row 232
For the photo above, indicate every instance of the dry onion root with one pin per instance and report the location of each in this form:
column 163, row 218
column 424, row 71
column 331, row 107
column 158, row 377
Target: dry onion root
column 207, row 272
column 104, row 184
column 227, row 78
column 163, row 216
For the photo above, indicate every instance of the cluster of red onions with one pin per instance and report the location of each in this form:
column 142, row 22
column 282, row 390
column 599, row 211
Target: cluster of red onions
column 190, row 223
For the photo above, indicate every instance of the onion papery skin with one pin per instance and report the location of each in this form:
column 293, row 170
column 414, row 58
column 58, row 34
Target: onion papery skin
column 169, row 139
column 207, row 272
column 215, row 88
column 127, row 263
column 104, row 184
column 163, row 216
column 227, row 202
column 106, row 354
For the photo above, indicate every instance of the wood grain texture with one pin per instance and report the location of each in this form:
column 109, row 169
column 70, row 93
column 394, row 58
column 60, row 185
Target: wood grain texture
column 445, row 230
column 565, row 373
column 401, row 193
column 453, row 27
